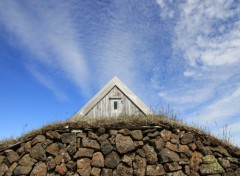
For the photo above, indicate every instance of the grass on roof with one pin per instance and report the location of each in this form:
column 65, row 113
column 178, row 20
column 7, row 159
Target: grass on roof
column 113, row 123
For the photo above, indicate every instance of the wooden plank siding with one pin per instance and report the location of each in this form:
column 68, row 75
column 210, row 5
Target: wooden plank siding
column 104, row 108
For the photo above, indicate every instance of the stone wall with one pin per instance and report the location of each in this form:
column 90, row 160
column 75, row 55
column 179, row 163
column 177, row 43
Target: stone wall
column 107, row 151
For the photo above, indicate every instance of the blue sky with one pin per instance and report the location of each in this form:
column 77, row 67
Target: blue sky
column 55, row 55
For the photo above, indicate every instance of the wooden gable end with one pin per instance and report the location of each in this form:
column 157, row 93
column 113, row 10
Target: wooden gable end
column 115, row 103
column 114, row 99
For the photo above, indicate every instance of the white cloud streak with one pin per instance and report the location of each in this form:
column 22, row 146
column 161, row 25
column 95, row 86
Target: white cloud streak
column 207, row 34
column 48, row 83
column 207, row 37
column 166, row 12
column 47, row 32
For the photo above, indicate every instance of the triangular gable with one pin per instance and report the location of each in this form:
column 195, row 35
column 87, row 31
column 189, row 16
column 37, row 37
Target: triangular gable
column 105, row 90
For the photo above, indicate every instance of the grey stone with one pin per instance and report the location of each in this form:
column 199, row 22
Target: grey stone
column 112, row 160
column 38, row 153
column 40, row 169
column 167, row 155
column 50, row 163
column 22, row 170
column 106, row 172
column 12, row 156
column 53, row 135
column 187, row 138
column 123, row 170
column 91, row 143
column 68, row 138
column 26, row 160
column 106, row 147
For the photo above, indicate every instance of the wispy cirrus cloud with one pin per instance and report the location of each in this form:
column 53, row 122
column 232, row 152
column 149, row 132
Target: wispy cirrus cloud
column 47, row 34
column 206, row 39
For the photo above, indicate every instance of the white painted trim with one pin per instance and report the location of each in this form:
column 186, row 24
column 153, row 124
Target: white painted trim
column 105, row 90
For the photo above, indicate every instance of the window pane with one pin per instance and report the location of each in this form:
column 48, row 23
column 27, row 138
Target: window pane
column 115, row 104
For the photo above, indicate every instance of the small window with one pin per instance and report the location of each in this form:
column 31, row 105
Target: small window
column 115, row 104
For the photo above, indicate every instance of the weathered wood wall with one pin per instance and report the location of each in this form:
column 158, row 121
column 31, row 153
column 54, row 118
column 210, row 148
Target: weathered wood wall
column 105, row 107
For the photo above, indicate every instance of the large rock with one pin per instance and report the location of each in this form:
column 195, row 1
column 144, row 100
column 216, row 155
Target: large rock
column 72, row 148
column 11, row 169
column 53, row 135
column 84, row 166
column 95, row 171
column 187, row 138
column 169, row 167
column 137, row 134
column 98, row 160
column 84, row 152
column 173, row 147
column 106, row 147
column 1, row 159
column 90, row 143
column 50, row 163
column 112, row 160
column 3, row 169
column 38, row 153
column 68, row 138
column 26, row 160
column 220, row 150
column 123, row 170
column 166, row 155
column 128, row 159
column 139, row 166
column 151, row 155
column 210, row 166
column 106, row 172
column 38, row 139
column 195, row 161
column 22, row 170
column 158, row 143
column 12, row 156
column 166, row 135
column 53, row 149
column 155, row 170
column 61, row 169
column 40, row 169
column 177, row 173
column 124, row 144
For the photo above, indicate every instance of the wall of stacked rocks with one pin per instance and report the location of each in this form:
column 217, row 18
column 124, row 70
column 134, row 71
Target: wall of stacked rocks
column 106, row 152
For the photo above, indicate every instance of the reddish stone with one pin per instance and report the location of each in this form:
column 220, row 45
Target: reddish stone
column 61, row 169
column 98, row 160
column 195, row 161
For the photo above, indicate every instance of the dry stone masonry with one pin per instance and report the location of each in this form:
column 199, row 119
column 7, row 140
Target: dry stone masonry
column 109, row 152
